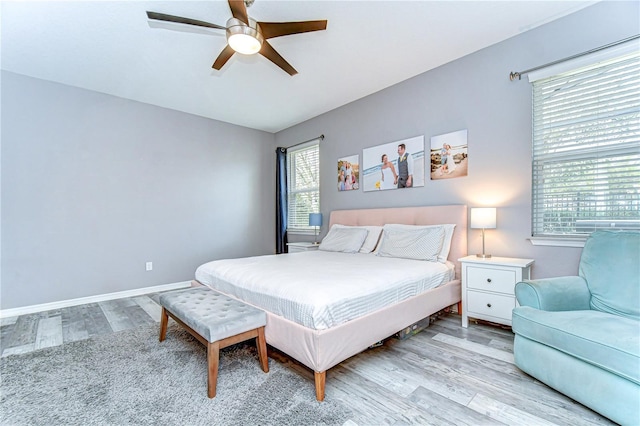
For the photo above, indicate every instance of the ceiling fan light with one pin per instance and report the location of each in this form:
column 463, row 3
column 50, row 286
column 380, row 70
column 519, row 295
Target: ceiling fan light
column 243, row 38
column 245, row 44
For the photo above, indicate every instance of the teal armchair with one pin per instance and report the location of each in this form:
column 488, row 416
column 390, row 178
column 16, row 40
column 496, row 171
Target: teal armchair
column 581, row 334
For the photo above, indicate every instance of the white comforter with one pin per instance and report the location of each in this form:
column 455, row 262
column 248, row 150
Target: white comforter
column 322, row 289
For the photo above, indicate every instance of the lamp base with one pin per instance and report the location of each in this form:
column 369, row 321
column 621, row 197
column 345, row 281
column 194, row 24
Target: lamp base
column 484, row 256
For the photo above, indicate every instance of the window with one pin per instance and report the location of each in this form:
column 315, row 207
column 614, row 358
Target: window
column 586, row 148
column 303, row 175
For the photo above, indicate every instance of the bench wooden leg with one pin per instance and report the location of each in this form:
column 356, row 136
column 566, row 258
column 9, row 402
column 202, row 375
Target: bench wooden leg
column 320, row 379
column 213, row 348
column 460, row 307
column 213, row 356
column 164, row 320
column 261, row 343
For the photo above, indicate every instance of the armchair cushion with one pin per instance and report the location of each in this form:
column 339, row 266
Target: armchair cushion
column 610, row 263
column 606, row 341
column 554, row 294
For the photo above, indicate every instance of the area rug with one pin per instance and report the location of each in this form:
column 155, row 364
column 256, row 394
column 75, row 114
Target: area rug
column 130, row 378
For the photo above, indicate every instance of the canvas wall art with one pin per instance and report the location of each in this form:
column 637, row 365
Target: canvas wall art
column 394, row 165
column 348, row 173
column 449, row 157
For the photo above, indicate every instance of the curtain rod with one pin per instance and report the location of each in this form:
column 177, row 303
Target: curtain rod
column 518, row 74
column 321, row 137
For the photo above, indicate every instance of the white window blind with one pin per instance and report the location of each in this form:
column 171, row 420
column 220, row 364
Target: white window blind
column 303, row 183
column 586, row 149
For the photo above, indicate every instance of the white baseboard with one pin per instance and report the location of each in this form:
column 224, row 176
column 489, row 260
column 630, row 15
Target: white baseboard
column 14, row 312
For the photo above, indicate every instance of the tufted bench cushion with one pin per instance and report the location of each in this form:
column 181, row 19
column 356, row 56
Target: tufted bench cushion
column 216, row 321
column 212, row 315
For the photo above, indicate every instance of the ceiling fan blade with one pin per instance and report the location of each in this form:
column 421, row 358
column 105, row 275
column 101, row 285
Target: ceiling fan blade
column 270, row 53
column 239, row 10
column 223, row 57
column 277, row 29
column 180, row 20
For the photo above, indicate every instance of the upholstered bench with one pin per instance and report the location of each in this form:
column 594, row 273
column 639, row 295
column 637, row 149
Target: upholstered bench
column 216, row 321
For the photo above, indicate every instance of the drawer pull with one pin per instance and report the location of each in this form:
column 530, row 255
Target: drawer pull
column 488, row 305
column 488, row 280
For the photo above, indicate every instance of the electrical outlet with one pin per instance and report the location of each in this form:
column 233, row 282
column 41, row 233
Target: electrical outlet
column 149, row 266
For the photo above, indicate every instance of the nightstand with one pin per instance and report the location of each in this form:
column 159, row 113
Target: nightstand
column 299, row 247
column 488, row 287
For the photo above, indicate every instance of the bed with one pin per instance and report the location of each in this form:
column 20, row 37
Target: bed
column 357, row 310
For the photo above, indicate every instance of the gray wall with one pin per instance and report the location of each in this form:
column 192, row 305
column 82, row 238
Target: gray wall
column 471, row 93
column 93, row 186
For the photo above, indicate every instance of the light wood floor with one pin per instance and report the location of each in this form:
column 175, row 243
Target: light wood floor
column 445, row 375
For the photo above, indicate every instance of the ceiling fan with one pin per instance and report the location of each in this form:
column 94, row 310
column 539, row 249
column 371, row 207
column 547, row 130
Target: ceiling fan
column 247, row 36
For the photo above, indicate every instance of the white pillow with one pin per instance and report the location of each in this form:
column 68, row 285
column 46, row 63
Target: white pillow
column 346, row 240
column 373, row 236
column 446, row 242
column 419, row 244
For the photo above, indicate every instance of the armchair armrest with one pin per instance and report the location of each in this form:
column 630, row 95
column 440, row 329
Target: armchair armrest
column 554, row 294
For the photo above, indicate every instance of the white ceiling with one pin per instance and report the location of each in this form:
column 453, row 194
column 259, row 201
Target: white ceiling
column 111, row 47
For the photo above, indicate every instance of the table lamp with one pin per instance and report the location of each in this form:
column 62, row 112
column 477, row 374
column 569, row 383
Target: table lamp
column 483, row 218
column 315, row 219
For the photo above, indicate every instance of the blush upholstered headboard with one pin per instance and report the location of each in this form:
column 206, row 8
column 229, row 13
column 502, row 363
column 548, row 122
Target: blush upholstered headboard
column 427, row 215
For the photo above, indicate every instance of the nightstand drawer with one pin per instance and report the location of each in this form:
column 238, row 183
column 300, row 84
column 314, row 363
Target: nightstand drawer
column 491, row 279
column 489, row 304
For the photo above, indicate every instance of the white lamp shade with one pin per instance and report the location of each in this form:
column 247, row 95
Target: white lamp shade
column 483, row 217
column 315, row 219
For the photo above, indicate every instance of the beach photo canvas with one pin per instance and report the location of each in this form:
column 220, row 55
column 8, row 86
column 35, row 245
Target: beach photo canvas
column 449, row 157
column 349, row 173
column 394, row 165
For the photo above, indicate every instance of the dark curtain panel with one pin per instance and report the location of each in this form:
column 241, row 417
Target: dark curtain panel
column 281, row 200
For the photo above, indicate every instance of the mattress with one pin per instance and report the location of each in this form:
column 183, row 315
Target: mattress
column 320, row 289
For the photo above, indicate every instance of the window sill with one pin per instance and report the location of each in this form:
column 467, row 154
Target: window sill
column 558, row 241
column 300, row 232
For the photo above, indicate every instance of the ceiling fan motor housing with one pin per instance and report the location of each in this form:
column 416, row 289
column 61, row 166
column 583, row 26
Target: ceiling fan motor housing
column 243, row 38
